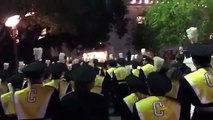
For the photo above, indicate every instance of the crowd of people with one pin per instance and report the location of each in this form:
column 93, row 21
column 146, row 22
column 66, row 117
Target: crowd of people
column 135, row 89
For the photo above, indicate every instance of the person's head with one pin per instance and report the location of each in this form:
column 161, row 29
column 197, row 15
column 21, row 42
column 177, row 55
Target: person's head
column 136, row 85
column 68, row 76
column 35, row 71
column 16, row 81
column 135, row 64
column 158, row 84
column 201, row 54
column 84, row 78
column 95, row 62
column 179, row 58
column 57, row 70
column 121, row 61
column 112, row 63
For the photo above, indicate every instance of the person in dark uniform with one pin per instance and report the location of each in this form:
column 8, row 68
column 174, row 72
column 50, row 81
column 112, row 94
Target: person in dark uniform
column 83, row 104
column 139, row 91
column 37, row 101
column 197, row 87
column 57, row 81
column 4, row 75
column 119, row 86
column 179, row 58
column 7, row 105
column 157, row 106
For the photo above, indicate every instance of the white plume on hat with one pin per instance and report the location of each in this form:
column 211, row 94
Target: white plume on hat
column 75, row 61
column 111, row 57
column 132, row 57
column 121, row 55
column 69, row 66
column 6, row 66
column 47, row 62
column 158, row 63
column 10, row 87
column 136, row 56
column 21, row 65
column 37, row 52
column 192, row 34
column 143, row 51
column 61, row 57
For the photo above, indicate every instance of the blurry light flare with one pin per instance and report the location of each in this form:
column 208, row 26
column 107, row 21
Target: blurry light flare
column 96, row 55
column 43, row 33
column 133, row 2
column 100, row 43
column 140, row 2
column 146, row 1
column 29, row 14
column 13, row 21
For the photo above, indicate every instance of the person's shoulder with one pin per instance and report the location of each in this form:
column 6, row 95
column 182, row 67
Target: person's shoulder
column 68, row 96
column 95, row 95
column 149, row 99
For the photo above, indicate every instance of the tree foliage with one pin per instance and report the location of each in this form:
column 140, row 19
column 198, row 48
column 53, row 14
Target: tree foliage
column 90, row 20
column 171, row 19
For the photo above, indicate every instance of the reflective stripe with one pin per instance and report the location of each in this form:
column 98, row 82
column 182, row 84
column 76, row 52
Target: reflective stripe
column 130, row 101
column 35, row 109
column 201, row 81
column 121, row 73
column 8, row 103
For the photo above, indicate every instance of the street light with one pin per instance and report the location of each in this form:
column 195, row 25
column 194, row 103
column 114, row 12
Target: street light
column 12, row 22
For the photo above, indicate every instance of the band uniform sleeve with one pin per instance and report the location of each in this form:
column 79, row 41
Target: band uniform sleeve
column 54, row 108
column 1, row 110
column 186, row 97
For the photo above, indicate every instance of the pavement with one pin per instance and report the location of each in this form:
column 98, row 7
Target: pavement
column 115, row 118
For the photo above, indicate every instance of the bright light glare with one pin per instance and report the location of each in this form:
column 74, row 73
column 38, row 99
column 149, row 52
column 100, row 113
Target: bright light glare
column 133, row 2
column 140, row 2
column 43, row 33
column 30, row 14
column 95, row 55
column 13, row 21
column 146, row 1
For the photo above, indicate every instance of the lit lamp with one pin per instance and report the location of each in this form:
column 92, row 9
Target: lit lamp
column 12, row 22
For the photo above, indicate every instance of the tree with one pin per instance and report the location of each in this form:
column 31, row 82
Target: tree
column 90, row 20
column 171, row 19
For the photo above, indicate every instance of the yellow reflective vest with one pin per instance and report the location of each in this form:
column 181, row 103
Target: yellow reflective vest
column 110, row 71
column 121, row 73
column 61, row 85
column 201, row 82
column 130, row 101
column 98, row 84
column 147, row 69
column 158, row 108
column 32, row 102
column 136, row 72
column 7, row 101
